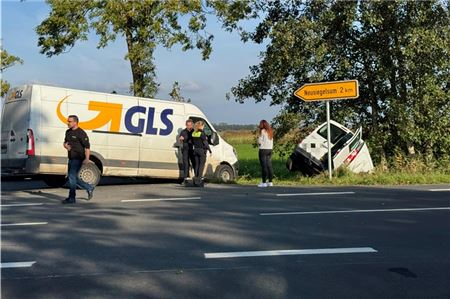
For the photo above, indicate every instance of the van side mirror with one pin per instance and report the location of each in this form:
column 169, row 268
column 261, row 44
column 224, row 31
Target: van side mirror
column 214, row 139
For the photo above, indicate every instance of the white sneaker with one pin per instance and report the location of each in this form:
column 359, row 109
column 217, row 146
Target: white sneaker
column 269, row 184
column 262, row 185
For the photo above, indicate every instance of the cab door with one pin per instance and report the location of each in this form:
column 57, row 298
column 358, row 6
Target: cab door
column 213, row 160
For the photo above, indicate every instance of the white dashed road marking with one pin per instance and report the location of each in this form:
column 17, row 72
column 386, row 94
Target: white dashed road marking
column 312, row 194
column 355, row 211
column 23, row 224
column 17, row 265
column 218, row 255
column 21, row 205
column 160, row 199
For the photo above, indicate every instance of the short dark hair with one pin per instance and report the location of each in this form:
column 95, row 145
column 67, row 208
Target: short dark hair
column 74, row 117
column 189, row 121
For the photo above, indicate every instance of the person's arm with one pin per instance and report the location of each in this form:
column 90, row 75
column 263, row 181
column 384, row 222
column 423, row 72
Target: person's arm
column 87, row 153
column 66, row 144
column 183, row 136
column 87, row 147
column 205, row 142
column 262, row 137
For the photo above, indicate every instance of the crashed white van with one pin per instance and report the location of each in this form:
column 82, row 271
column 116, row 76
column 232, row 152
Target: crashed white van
column 347, row 149
column 129, row 136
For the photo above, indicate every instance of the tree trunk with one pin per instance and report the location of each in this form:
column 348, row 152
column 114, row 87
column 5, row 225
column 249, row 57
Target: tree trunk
column 138, row 76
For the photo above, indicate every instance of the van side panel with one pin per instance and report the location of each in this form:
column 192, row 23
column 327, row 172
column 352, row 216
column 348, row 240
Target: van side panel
column 51, row 134
column 159, row 154
column 121, row 148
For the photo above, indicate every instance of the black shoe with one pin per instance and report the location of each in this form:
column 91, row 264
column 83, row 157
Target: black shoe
column 68, row 201
column 90, row 194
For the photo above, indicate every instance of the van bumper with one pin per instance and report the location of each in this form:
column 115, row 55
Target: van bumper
column 235, row 167
column 11, row 167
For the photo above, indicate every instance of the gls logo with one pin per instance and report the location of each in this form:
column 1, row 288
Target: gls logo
column 112, row 113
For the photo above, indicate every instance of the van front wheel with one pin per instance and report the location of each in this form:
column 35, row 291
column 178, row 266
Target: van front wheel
column 225, row 173
column 90, row 173
column 54, row 181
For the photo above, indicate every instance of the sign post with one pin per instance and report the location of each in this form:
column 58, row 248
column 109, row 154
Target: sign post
column 328, row 91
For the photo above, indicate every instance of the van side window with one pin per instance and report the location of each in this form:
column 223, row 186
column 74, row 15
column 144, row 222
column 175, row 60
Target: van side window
column 207, row 130
column 336, row 133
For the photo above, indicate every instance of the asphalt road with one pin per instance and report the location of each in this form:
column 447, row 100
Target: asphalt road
column 225, row 241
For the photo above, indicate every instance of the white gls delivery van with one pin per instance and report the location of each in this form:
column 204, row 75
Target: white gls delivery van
column 347, row 149
column 129, row 136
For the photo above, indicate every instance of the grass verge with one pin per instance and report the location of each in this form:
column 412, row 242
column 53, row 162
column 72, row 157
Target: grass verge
column 250, row 173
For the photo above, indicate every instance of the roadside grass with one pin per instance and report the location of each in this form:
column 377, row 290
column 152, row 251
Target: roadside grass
column 250, row 171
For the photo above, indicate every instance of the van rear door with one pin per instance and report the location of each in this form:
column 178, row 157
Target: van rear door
column 15, row 125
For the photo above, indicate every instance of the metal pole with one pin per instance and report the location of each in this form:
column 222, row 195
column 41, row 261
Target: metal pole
column 330, row 174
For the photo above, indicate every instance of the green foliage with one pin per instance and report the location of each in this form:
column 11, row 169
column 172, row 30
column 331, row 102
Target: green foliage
column 145, row 24
column 175, row 94
column 398, row 50
column 7, row 61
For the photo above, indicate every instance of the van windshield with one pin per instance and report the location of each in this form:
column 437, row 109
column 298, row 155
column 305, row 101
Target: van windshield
column 207, row 129
column 336, row 133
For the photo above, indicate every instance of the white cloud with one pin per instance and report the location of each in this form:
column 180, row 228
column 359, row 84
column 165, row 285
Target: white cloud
column 191, row 86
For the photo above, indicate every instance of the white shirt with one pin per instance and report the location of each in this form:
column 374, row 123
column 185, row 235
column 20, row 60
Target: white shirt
column 264, row 141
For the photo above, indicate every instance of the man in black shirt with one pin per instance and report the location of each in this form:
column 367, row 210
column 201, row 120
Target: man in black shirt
column 187, row 148
column 78, row 149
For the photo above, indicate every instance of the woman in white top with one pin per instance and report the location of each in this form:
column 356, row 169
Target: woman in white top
column 265, row 143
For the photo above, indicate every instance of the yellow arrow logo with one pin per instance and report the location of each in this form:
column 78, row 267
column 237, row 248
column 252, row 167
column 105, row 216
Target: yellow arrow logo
column 108, row 112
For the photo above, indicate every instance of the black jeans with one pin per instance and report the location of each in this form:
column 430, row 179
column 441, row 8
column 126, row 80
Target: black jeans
column 265, row 159
column 188, row 156
column 74, row 180
column 200, row 160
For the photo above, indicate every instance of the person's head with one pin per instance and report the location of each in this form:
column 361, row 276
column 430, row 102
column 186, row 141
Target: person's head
column 264, row 125
column 199, row 125
column 189, row 124
column 72, row 121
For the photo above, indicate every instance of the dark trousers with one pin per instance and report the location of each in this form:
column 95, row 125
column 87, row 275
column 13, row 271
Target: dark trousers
column 74, row 180
column 200, row 160
column 188, row 156
column 265, row 159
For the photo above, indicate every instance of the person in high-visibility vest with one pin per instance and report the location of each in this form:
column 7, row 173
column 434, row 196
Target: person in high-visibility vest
column 201, row 146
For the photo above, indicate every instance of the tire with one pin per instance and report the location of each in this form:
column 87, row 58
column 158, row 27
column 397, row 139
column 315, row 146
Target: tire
column 54, row 181
column 90, row 174
column 225, row 173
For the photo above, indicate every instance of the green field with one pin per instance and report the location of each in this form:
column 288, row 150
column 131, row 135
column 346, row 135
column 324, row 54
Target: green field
column 250, row 170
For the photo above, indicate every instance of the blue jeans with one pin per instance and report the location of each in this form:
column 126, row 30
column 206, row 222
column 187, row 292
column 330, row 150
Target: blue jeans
column 74, row 180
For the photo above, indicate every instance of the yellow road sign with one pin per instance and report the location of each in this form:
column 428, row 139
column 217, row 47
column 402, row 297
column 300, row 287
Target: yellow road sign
column 336, row 90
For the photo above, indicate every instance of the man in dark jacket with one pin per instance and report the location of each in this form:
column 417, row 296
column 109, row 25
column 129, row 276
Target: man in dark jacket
column 77, row 145
column 187, row 149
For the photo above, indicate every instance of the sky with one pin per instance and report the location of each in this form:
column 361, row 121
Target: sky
column 104, row 70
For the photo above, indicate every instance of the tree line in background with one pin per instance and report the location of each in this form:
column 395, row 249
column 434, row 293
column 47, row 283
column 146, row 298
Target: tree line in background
column 397, row 50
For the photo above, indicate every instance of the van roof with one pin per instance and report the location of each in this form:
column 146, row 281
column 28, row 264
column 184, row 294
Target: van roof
column 103, row 93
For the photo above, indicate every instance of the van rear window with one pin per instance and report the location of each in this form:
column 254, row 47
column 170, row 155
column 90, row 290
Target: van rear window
column 336, row 133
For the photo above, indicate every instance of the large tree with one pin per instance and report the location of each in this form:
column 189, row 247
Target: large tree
column 398, row 50
column 145, row 24
column 7, row 60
